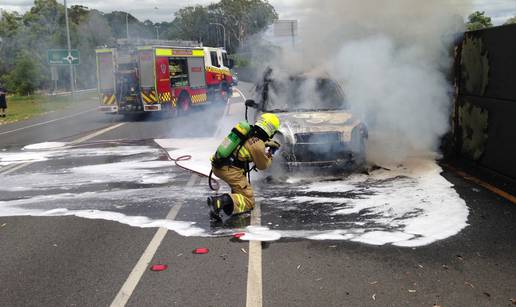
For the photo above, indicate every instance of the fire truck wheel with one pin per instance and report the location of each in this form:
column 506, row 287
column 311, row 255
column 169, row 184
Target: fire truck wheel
column 184, row 104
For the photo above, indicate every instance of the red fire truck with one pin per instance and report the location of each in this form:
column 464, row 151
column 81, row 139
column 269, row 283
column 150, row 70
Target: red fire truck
column 159, row 77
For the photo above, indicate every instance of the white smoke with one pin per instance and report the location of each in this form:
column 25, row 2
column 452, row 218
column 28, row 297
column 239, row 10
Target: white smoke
column 392, row 59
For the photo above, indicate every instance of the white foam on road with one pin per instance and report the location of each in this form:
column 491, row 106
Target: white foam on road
column 328, row 188
column 45, row 145
column 138, row 165
column 39, row 155
column 101, row 205
column 405, row 205
column 136, row 170
column 409, row 205
column 155, row 179
column 182, row 228
column 257, row 233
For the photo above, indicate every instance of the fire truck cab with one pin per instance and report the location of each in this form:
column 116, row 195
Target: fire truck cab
column 218, row 71
column 153, row 78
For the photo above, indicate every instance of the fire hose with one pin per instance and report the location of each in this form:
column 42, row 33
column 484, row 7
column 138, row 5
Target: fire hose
column 214, row 184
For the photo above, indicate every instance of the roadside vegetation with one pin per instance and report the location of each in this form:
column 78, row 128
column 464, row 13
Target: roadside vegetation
column 26, row 107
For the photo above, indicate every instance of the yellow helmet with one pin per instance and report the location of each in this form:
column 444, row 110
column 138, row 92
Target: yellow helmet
column 269, row 123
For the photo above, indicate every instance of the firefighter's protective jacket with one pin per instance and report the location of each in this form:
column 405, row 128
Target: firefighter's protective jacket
column 254, row 151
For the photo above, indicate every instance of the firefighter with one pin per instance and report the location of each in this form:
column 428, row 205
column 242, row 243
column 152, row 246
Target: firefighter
column 253, row 146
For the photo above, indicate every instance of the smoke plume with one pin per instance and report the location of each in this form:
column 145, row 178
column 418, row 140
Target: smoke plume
column 392, row 59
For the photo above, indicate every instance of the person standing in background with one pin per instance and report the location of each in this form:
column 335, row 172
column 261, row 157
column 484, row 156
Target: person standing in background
column 3, row 101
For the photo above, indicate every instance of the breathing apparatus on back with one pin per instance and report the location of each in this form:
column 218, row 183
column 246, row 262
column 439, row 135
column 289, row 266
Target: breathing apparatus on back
column 238, row 135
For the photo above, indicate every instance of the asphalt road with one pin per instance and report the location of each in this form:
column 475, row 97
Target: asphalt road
column 73, row 261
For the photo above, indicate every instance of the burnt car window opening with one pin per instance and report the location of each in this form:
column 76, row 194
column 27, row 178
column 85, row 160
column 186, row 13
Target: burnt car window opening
column 302, row 94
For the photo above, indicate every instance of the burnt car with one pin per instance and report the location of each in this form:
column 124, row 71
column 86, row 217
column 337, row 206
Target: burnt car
column 317, row 129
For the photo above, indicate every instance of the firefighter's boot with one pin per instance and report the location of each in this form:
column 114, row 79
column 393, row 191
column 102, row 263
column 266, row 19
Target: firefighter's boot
column 220, row 203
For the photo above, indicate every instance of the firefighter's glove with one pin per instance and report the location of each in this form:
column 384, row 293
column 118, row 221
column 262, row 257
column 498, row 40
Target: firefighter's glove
column 273, row 146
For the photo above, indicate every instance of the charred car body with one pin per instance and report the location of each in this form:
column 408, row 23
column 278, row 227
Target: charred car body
column 317, row 129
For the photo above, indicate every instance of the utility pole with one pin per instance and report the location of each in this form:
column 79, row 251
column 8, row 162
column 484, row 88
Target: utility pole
column 157, row 25
column 127, row 25
column 72, row 83
column 223, row 32
column 157, row 31
column 293, row 34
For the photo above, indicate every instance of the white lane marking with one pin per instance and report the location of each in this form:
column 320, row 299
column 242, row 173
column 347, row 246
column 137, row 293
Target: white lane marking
column 191, row 181
column 136, row 274
column 47, row 122
column 8, row 166
column 75, row 142
column 241, row 94
column 95, row 134
column 15, row 168
column 254, row 269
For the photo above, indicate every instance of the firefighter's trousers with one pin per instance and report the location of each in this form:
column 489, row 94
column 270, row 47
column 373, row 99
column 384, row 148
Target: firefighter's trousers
column 241, row 190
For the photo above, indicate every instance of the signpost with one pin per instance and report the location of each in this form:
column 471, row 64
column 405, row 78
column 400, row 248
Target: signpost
column 55, row 77
column 62, row 57
column 69, row 57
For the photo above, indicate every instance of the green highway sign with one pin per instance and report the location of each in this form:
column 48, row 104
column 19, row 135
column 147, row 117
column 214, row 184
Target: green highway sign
column 61, row 56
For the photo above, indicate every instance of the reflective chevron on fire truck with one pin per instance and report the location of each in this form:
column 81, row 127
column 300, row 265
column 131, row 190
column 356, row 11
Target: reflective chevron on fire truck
column 161, row 78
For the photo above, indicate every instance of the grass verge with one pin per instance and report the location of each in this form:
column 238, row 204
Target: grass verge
column 25, row 107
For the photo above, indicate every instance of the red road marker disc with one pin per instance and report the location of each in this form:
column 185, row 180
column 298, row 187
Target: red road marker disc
column 200, row 251
column 238, row 235
column 159, row 267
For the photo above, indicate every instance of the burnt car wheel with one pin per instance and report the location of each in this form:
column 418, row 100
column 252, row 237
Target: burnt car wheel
column 279, row 165
column 358, row 146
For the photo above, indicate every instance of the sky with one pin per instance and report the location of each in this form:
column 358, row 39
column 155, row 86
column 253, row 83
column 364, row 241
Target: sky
column 163, row 10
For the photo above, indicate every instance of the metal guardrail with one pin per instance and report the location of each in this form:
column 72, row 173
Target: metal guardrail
column 69, row 93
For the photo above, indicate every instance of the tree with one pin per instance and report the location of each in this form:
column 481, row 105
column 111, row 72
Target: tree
column 10, row 23
column 243, row 18
column 510, row 21
column 171, row 30
column 478, row 20
column 78, row 13
column 192, row 23
column 25, row 77
column 117, row 22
